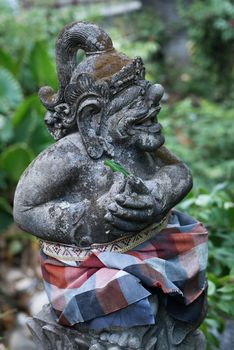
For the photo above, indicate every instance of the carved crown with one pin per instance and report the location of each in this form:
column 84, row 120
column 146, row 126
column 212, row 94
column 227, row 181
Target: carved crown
column 102, row 62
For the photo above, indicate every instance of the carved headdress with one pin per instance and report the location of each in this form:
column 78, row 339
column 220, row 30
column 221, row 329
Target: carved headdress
column 102, row 62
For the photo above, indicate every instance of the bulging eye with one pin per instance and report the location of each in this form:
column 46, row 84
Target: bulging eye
column 154, row 94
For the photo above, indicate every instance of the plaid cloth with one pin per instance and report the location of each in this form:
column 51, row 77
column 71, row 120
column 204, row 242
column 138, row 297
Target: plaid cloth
column 111, row 289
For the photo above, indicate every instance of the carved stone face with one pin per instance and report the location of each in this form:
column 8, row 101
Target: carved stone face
column 135, row 123
column 108, row 121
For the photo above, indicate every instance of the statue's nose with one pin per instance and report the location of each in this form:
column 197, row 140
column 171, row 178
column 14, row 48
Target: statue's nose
column 155, row 93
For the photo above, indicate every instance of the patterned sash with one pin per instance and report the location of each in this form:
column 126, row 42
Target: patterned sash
column 109, row 288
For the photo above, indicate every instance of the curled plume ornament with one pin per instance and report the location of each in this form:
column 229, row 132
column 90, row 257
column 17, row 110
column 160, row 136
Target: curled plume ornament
column 76, row 36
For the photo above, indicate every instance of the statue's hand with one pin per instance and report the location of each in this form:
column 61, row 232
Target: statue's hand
column 134, row 208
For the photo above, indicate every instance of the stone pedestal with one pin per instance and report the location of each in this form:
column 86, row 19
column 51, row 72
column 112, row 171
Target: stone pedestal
column 167, row 335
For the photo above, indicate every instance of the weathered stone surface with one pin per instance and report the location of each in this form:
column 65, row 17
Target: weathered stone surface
column 104, row 109
column 114, row 108
column 167, row 335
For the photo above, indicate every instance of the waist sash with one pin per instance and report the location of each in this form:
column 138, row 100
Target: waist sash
column 110, row 286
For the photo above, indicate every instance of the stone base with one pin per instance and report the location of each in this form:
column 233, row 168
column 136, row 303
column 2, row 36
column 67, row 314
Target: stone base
column 167, row 335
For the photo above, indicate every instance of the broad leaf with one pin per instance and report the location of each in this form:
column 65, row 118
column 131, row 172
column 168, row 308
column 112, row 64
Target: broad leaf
column 7, row 62
column 24, row 107
column 10, row 91
column 15, row 159
column 42, row 66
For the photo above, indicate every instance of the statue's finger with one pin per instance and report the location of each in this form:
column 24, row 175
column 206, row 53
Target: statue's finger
column 124, row 225
column 134, row 202
column 134, row 215
column 135, row 184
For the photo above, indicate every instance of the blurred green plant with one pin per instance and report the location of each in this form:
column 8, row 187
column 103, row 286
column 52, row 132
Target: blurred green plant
column 134, row 34
column 202, row 133
column 210, row 27
column 10, row 92
column 215, row 209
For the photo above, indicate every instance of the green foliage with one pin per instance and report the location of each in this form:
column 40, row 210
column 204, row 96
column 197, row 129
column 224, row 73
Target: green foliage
column 216, row 210
column 134, row 34
column 10, row 91
column 14, row 159
column 201, row 134
column 116, row 167
column 41, row 66
column 211, row 31
column 202, row 131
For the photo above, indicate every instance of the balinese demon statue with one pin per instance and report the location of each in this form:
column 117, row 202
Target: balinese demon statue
column 121, row 267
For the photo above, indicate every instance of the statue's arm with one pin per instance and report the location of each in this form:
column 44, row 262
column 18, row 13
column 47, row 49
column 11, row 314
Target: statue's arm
column 41, row 204
column 172, row 181
column 145, row 202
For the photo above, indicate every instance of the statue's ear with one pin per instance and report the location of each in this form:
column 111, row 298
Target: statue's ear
column 88, row 98
column 89, row 117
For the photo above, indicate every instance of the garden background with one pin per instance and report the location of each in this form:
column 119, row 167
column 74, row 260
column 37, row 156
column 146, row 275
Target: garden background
column 188, row 47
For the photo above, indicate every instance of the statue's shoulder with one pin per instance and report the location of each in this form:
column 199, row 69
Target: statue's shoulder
column 70, row 145
column 66, row 154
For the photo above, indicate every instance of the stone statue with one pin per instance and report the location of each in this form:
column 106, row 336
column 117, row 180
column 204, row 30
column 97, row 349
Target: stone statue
column 91, row 218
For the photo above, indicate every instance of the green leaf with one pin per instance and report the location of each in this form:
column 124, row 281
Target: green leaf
column 29, row 125
column 7, row 62
column 212, row 323
column 219, row 187
column 6, row 130
column 24, row 107
column 10, row 91
column 213, row 278
column 223, row 306
column 15, row 159
column 42, row 66
column 211, row 288
column 187, row 203
column 40, row 138
column 116, row 167
column 229, row 288
column 26, row 126
column 203, row 200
